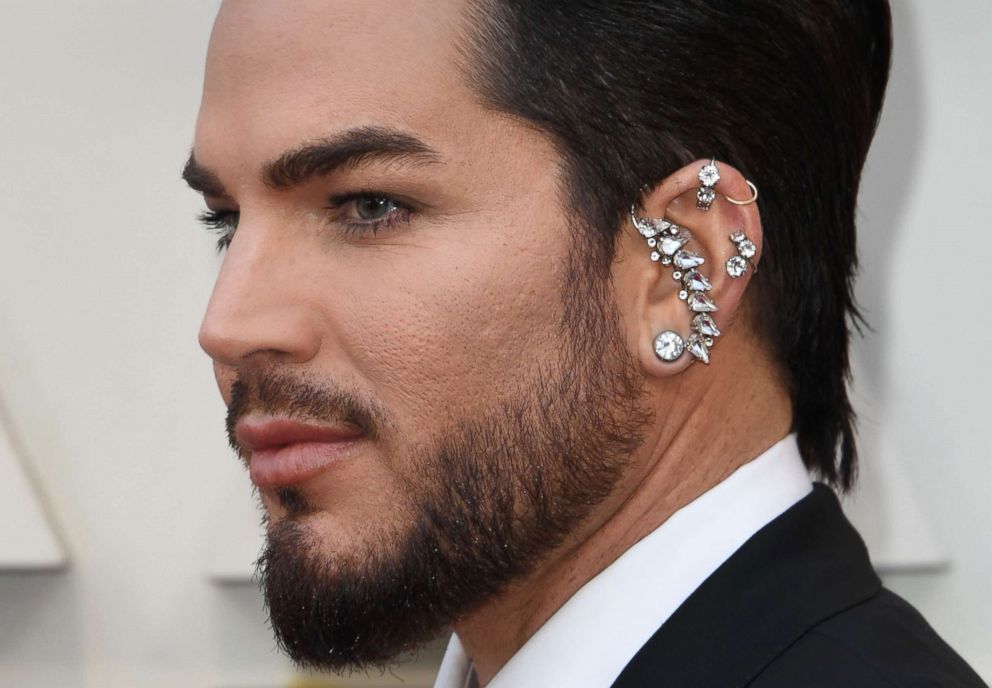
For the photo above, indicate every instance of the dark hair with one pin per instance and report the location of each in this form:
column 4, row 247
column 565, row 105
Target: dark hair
column 788, row 91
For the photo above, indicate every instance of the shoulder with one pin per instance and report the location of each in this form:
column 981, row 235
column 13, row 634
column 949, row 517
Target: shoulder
column 883, row 643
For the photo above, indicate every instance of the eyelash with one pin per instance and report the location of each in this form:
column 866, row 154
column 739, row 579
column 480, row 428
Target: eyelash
column 222, row 222
column 225, row 222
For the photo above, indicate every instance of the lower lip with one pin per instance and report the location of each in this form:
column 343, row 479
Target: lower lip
column 294, row 463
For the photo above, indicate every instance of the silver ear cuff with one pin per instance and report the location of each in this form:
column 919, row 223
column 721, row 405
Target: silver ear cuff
column 667, row 241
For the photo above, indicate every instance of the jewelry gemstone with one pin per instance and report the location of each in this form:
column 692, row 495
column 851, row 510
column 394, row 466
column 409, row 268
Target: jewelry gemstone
column 697, row 347
column 703, row 324
column 736, row 267
column 646, row 229
column 694, row 280
column 655, row 256
column 671, row 244
column 676, row 275
column 709, row 175
column 705, row 196
column 650, row 227
column 668, row 345
column 652, row 242
column 738, row 236
column 747, row 249
column 699, row 302
column 683, row 294
column 687, row 259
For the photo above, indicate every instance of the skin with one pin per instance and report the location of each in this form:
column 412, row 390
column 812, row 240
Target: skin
column 439, row 314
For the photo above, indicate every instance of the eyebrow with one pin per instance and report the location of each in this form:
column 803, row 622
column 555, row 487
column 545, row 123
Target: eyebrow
column 316, row 159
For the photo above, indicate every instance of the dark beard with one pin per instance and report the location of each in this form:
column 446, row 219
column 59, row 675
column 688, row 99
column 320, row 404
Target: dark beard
column 492, row 496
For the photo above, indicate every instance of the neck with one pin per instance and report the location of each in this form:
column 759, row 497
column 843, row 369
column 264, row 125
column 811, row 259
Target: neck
column 717, row 419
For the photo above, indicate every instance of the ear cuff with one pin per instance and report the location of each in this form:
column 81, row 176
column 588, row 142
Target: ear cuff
column 667, row 241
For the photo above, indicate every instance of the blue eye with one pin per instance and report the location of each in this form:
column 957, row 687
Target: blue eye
column 222, row 222
column 369, row 212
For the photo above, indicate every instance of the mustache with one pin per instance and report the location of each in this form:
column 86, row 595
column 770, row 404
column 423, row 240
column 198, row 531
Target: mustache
column 303, row 398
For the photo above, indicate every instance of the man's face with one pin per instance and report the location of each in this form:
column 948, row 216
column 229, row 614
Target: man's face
column 410, row 281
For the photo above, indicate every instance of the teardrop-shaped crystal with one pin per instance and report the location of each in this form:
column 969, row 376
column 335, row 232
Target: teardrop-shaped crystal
column 697, row 347
column 703, row 324
column 699, row 302
column 670, row 244
column 688, row 259
column 651, row 227
column 694, row 280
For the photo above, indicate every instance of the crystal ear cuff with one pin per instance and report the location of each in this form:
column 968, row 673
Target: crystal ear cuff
column 667, row 241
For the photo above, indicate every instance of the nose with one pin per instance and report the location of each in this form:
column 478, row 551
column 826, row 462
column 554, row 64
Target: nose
column 258, row 306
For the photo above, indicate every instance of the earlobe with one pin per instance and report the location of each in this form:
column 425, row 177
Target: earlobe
column 722, row 238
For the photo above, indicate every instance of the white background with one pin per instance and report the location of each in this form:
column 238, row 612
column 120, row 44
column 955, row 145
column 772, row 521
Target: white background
column 103, row 277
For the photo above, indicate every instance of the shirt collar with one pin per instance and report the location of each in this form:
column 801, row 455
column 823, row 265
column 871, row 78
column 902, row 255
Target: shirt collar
column 619, row 609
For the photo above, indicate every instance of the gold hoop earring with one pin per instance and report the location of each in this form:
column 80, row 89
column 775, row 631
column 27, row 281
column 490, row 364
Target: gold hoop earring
column 754, row 195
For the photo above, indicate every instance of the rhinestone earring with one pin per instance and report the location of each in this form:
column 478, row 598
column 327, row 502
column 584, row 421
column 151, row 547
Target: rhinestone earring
column 667, row 241
column 737, row 265
column 668, row 346
column 709, row 175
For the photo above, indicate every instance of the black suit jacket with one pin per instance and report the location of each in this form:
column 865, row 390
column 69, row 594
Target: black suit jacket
column 797, row 605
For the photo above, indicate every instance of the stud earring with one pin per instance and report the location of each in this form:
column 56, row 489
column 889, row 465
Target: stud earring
column 709, row 175
column 667, row 241
column 668, row 346
column 737, row 265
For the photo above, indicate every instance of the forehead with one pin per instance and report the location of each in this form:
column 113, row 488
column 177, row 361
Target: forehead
column 279, row 73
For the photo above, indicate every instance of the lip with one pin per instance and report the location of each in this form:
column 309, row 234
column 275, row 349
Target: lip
column 283, row 451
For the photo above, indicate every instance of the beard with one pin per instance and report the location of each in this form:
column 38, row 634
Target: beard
column 490, row 495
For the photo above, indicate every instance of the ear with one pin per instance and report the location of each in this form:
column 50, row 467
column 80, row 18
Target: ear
column 658, row 303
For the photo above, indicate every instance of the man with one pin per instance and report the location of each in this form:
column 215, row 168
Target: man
column 460, row 371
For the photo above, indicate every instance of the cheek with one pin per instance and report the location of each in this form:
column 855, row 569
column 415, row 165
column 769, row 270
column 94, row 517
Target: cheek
column 446, row 335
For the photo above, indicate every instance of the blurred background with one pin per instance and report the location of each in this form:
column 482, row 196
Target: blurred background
column 127, row 529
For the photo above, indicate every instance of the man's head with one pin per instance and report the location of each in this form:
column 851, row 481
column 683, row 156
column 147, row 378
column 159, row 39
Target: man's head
column 429, row 262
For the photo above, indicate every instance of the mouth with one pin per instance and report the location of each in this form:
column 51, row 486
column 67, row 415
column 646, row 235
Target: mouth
column 283, row 452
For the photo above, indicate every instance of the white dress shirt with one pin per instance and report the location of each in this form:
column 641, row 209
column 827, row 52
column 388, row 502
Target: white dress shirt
column 595, row 634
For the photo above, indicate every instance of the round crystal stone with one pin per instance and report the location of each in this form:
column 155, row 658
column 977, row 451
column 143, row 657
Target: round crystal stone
column 738, row 236
column 736, row 266
column 668, row 345
column 747, row 249
column 709, row 175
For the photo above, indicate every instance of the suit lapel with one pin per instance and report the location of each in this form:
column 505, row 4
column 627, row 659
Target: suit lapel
column 803, row 567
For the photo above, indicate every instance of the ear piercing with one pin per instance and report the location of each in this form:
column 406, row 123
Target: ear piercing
column 754, row 195
column 667, row 241
column 737, row 265
column 668, row 346
column 709, row 175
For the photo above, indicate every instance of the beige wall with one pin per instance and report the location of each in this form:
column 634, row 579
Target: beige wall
column 103, row 276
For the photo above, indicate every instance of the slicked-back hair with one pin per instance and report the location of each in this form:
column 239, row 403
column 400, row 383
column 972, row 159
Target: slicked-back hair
column 787, row 91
